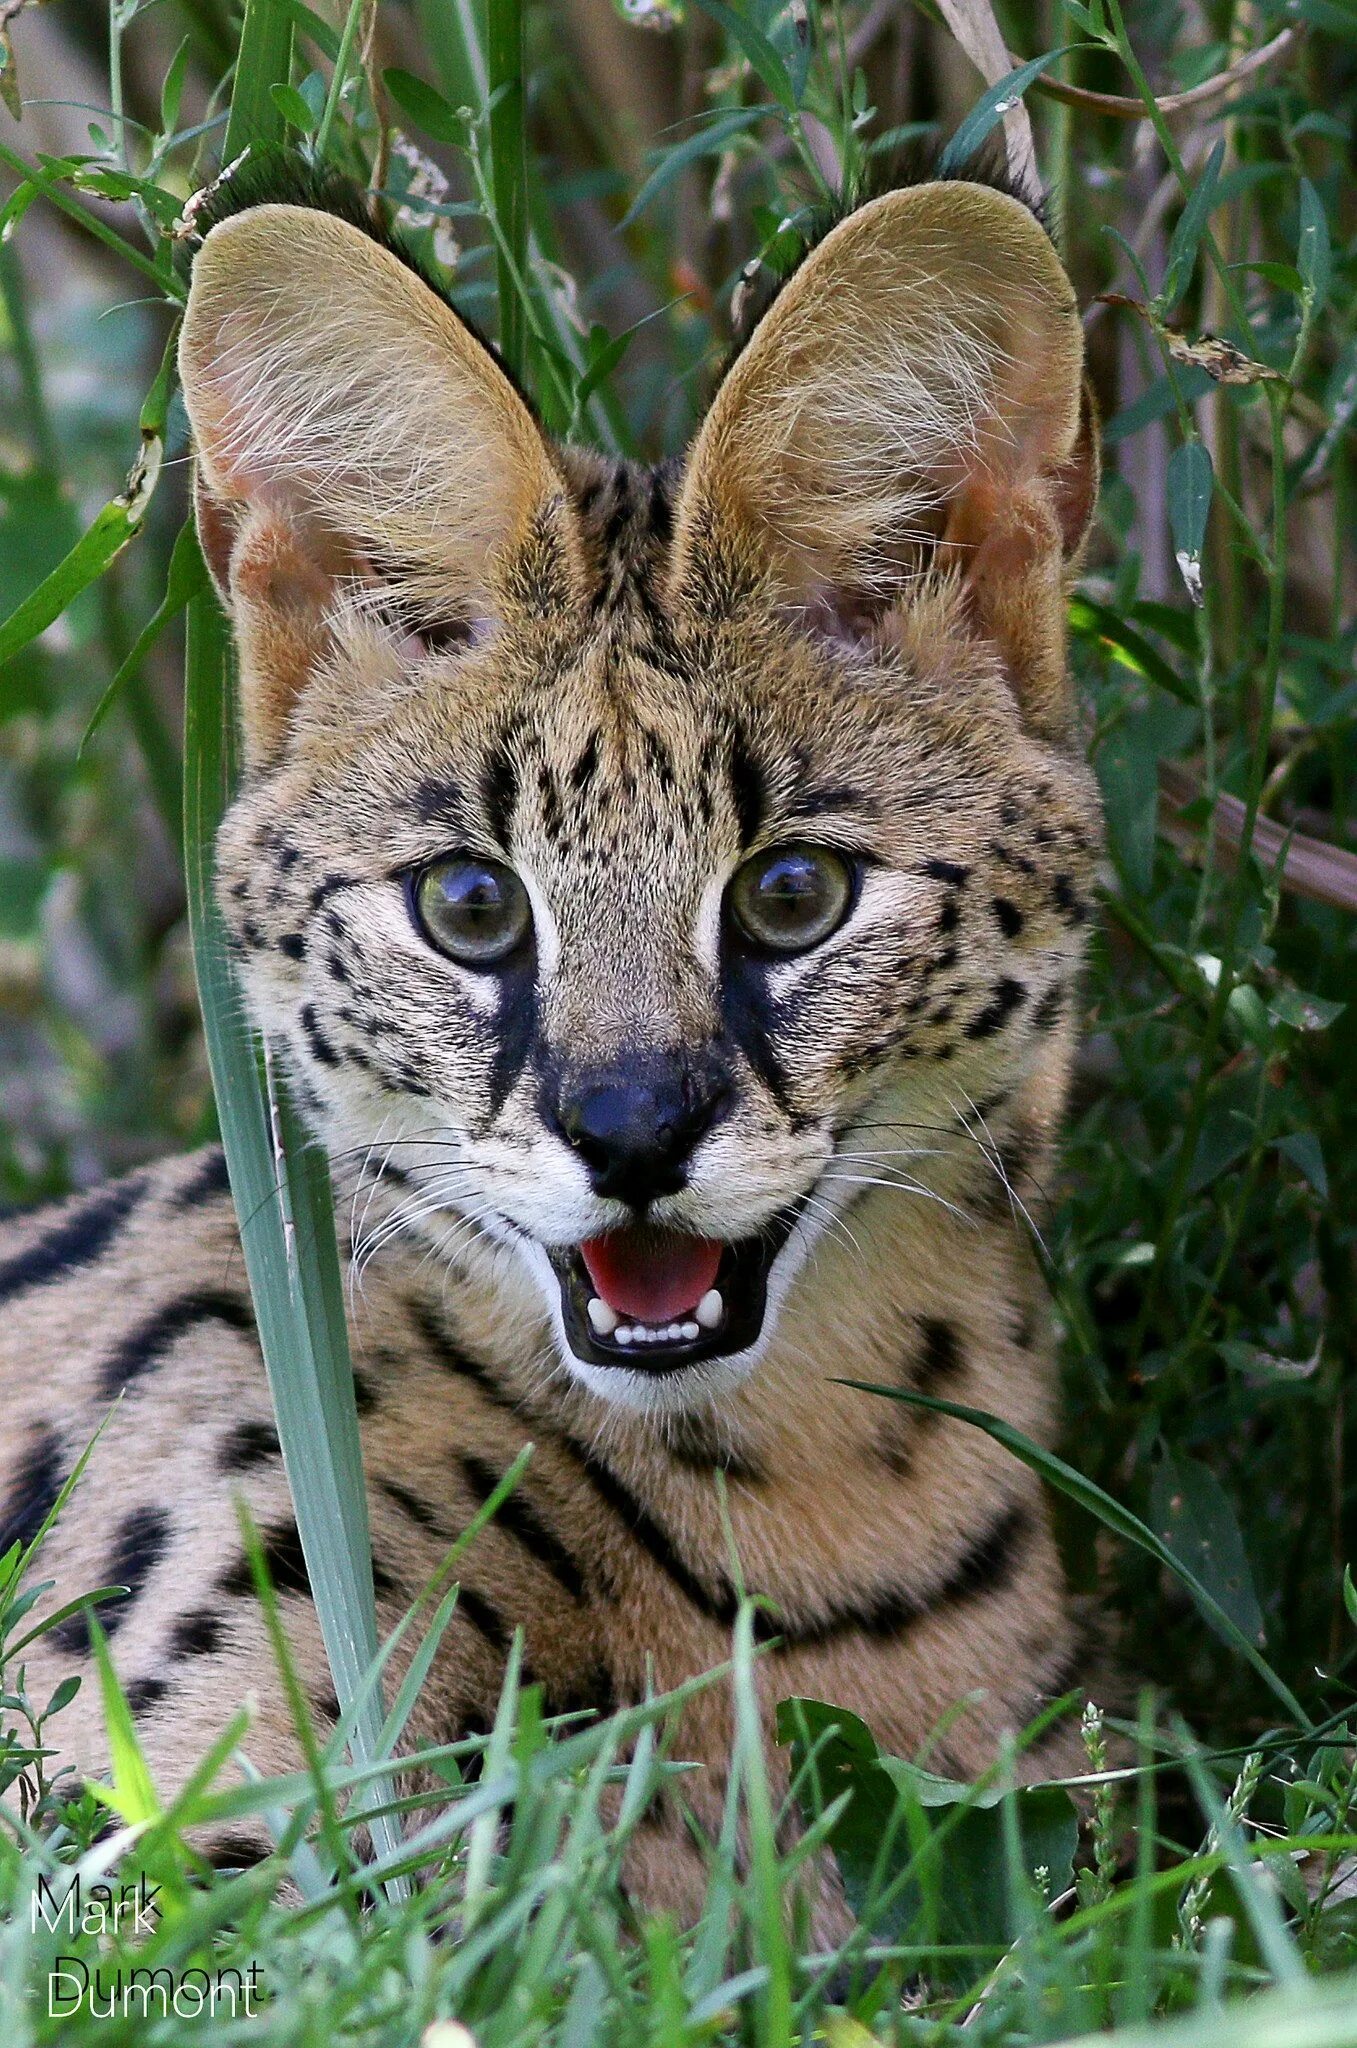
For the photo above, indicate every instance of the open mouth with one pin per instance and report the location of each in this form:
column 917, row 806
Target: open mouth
column 657, row 1300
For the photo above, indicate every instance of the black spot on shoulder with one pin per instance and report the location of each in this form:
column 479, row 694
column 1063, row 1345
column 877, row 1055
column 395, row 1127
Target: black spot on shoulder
column 1009, row 995
column 321, row 1048
column 284, row 1558
column 248, row 1444
column 1008, row 917
column 78, row 1239
column 144, row 1693
column 293, row 945
column 34, row 1489
column 199, row 1633
column 949, row 917
column 149, row 1343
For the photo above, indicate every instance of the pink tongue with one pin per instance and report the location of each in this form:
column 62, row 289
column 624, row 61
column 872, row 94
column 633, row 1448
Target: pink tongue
column 653, row 1275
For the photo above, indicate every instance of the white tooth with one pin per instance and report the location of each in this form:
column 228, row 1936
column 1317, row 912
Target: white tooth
column 602, row 1319
column 689, row 1331
column 711, row 1310
column 623, row 1335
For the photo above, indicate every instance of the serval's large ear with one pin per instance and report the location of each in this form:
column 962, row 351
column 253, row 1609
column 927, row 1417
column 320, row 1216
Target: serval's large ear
column 349, row 427
column 913, row 400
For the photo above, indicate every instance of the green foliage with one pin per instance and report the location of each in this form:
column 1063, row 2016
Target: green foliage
column 1200, row 1246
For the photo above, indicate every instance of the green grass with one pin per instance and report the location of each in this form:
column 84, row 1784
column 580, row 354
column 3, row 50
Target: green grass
column 593, row 196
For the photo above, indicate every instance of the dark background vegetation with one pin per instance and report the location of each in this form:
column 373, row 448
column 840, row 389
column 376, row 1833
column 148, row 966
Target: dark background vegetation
column 1201, row 1240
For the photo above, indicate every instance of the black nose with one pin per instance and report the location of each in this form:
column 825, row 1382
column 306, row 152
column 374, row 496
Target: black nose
column 635, row 1126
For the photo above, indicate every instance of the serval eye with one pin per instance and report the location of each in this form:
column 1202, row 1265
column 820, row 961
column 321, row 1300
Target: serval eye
column 475, row 911
column 791, row 898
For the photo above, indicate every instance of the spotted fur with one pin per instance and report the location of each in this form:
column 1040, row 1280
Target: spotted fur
column 839, row 620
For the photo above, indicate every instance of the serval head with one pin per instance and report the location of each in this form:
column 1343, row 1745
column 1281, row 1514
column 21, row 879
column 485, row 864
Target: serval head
column 615, row 842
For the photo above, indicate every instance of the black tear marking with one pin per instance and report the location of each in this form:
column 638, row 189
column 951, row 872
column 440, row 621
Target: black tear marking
column 34, row 1490
column 1008, row 917
column 953, row 872
column 516, row 1516
column 146, row 1346
column 515, row 1030
column 1009, row 995
column 283, row 1557
column 199, row 1633
column 249, row 1444
column 77, row 1240
column 321, row 1048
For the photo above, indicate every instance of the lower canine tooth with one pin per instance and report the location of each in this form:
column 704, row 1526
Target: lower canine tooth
column 602, row 1319
column 711, row 1310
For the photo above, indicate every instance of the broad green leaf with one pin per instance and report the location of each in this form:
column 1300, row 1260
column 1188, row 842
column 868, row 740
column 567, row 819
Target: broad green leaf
column 1304, row 1012
column 1188, row 233
column 763, row 58
column 1106, row 628
column 427, row 108
column 704, row 141
column 1191, row 1511
column 264, row 60
column 939, row 1845
column 989, row 111
column 1314, row 259
column 293, row 108
column 1303, row 1149
column 1189, row 494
